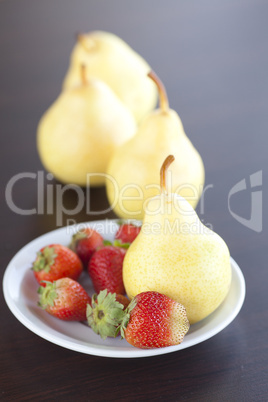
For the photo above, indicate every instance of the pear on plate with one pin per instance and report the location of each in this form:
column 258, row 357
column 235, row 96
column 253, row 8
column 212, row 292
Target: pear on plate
column 134, row 167
column 78, row 134
column 175, row 254
column 113, row 61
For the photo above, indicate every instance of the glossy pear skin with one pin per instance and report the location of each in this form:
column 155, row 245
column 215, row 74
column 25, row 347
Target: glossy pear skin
column 161, row 133
column 80, row 131
column 190, row 264
column 111, row 60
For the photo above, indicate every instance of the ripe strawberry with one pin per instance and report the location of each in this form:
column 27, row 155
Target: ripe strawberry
column 153, row 320
column 105, row 314
column 56, row 261
column 123, row 300
column 65, row 299
column 105, row 269
column 84, row 243
column 127, row 232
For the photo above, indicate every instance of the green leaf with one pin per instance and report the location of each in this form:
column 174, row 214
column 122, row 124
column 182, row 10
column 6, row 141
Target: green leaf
column 107, row 243
column 44, row 259
column 118, row 243
column 126, row 317
column 47, row 294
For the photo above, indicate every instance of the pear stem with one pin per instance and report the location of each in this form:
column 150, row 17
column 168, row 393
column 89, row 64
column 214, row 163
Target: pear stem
column 83, row 74
column 167, row 162
column 163, row 99
column 89, row 45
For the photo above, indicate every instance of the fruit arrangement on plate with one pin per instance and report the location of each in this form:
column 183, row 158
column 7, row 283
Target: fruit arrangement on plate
column 57, row 269
column 171, row 278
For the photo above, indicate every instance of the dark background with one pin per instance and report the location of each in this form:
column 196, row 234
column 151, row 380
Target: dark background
column 212, row 57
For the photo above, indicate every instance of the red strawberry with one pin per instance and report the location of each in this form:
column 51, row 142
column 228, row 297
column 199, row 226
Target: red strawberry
column 105, row 269
column 56, row 261
column 84, row 243
column 65, row 299
column 127, row 232
column 153, row 320
column 123, row 300
column 105, row 314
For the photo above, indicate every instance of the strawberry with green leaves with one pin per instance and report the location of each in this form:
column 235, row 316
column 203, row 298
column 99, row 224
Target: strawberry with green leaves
column 150, row 320
column 65, row 299
column 105, row 313
column 127, row 232
column 153, row 320
column 84, row 243
column 56, row 261
column 105, row 269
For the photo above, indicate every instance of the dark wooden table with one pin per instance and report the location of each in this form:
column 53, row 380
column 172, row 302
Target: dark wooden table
column 213, row 58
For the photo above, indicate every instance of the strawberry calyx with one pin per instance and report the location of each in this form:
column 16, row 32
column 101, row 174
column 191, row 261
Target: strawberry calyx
column 105, row 314
column 47, row 294
column 116, row 243
column 44, row 260
column 126, row 317
column 75, row 239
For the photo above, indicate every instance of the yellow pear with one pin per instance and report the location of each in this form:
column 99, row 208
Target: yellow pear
column 78, row 134
column 113, row 61
column 134, row 166
column 175, row 254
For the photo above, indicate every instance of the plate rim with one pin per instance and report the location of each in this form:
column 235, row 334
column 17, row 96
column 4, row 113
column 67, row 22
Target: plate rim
column 103, row 350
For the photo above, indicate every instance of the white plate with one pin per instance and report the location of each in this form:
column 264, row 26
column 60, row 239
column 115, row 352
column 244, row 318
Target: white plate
column 20, row 292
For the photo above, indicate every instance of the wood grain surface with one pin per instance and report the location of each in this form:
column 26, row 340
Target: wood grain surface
column 212, row 57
